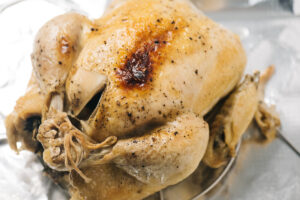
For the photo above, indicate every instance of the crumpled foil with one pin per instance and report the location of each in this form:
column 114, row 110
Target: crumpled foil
column 270, row 34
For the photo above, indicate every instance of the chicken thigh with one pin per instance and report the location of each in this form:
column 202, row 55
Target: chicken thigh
column 122, row 98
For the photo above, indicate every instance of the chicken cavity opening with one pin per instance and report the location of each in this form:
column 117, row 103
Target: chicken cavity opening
column 89, row 108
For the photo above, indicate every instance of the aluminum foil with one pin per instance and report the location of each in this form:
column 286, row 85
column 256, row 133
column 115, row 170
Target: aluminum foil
column 270, row 34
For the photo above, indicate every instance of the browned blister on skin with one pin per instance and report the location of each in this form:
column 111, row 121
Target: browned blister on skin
column 148, row 54
column 138, row 68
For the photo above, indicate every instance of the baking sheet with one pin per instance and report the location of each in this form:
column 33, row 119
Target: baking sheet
column 270, row 34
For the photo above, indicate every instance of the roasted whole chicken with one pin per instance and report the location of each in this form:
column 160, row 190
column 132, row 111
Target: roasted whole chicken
column 115, row 106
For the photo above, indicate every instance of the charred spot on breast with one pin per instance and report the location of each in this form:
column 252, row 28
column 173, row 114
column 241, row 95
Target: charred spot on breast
column 138, row 67
column 149, row 52
column 94, row 29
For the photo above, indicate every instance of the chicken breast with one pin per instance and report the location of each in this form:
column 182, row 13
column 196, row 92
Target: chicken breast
column 123, row 97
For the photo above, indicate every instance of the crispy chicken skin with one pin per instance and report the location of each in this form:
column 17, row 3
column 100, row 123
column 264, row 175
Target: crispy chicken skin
column 159, row 64
column 121, row 99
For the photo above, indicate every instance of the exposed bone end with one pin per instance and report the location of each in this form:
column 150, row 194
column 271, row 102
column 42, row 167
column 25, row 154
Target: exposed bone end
column 57, row 102
column 53, row 103
column 266, row 76
column 263, row 80
column 82, row 86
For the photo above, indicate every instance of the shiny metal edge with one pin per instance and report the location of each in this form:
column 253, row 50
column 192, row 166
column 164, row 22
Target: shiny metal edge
column 222, row 175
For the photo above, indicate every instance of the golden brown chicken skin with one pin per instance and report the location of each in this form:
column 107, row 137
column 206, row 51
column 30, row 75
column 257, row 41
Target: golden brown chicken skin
column 123, row 97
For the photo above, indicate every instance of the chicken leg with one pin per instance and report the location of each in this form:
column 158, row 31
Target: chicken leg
column 159, row 158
